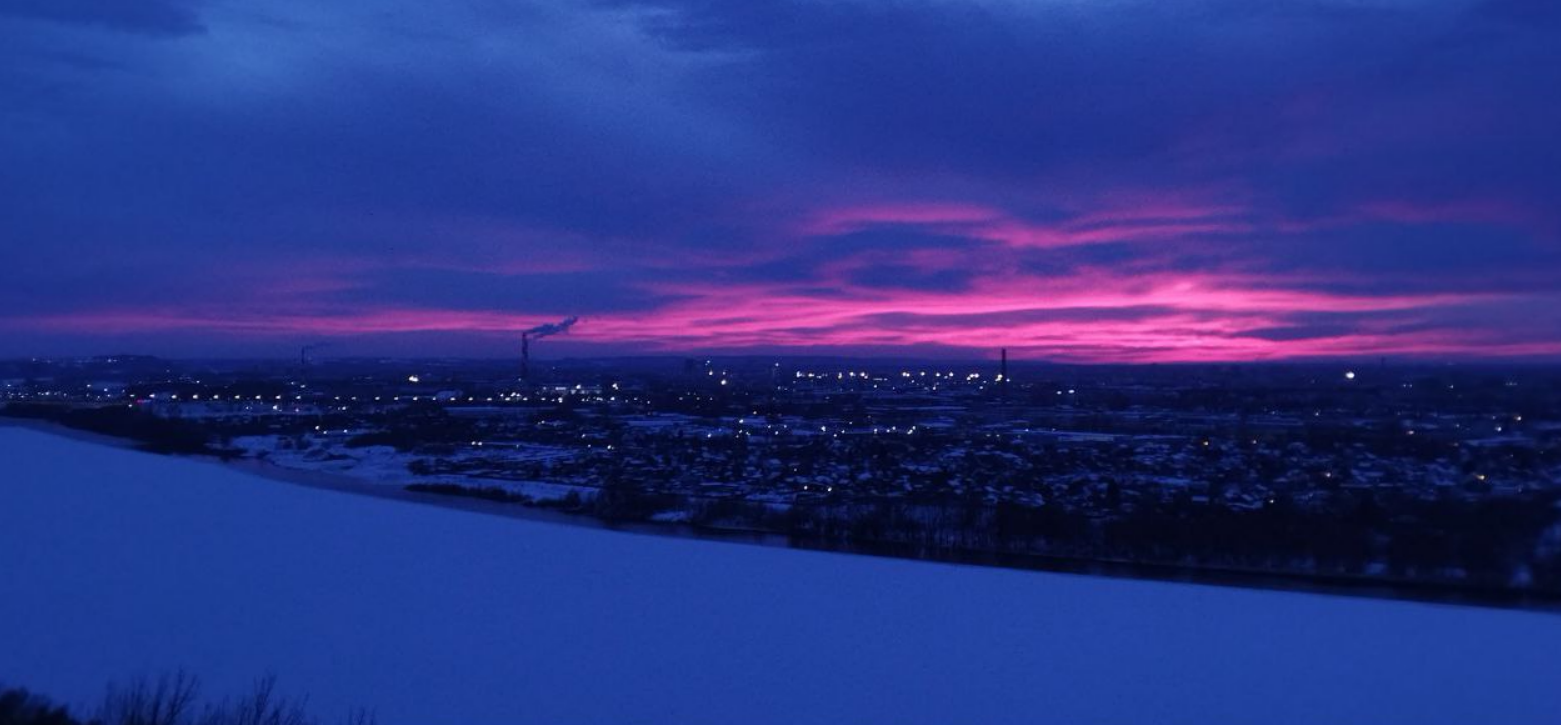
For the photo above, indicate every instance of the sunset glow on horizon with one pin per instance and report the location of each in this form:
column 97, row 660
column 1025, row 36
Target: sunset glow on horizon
column 1072, row 181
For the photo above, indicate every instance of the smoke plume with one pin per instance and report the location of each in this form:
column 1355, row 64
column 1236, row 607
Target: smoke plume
column 551, row 328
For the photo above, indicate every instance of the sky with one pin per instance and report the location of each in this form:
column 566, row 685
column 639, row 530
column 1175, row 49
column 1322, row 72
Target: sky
column 1075, row 180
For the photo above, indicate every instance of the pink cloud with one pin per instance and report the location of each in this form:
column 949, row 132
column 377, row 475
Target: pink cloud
column 1095, row 318
column 1126, row 312
column 1495, row 212
column 1139, row 219
column 1187, row 318
column 320, row 322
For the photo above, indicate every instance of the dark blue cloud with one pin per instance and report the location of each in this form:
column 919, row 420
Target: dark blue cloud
column 972, row 88
column 1539, row 12
column 147, row 17
column 1020, row 317
column 905, row 276
column 583, row 293
column 1393, row 259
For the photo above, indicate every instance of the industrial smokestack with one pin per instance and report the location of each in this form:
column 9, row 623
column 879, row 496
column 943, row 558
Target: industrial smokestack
column 540, row 331
column 1002, row 375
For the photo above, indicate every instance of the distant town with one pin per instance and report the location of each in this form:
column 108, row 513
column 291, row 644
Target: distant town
column 1434, row 480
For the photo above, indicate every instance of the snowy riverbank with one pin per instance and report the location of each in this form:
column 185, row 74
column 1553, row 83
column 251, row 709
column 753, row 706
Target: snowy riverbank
column 117, row 562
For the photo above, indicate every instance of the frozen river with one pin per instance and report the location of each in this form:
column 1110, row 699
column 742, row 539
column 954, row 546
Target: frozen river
column 115, row 563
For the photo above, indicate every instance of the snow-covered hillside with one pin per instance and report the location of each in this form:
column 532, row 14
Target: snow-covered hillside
column 114, row 563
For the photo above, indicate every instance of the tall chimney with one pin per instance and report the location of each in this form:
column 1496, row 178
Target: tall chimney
column 1003, row 375
column 539, row 332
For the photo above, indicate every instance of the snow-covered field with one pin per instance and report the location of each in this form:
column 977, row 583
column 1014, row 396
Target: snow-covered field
column 385, row 466
column 114, row 563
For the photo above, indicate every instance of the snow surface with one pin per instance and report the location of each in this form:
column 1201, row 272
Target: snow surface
column 386, row 466
column 114, row 563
